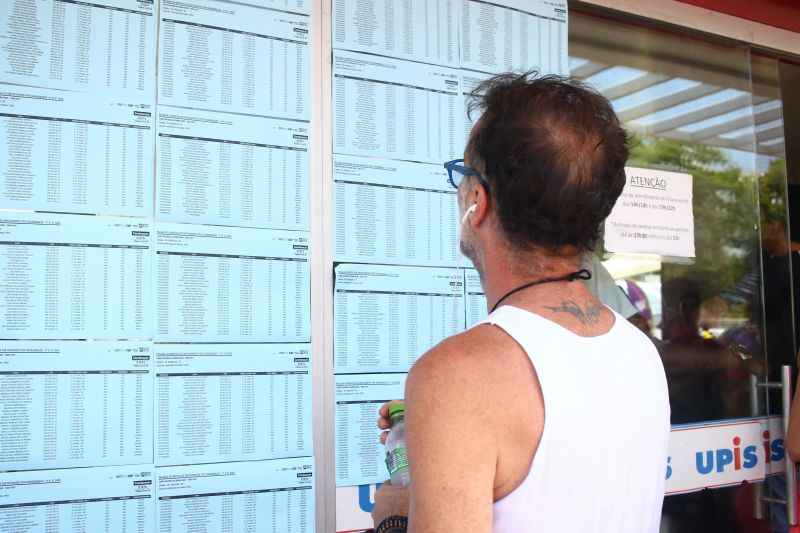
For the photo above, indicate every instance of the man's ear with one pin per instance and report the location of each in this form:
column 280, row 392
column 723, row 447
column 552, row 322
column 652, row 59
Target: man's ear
column 478, row 198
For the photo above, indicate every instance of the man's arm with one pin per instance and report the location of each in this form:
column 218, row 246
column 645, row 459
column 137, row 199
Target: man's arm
column 793, row 433
column 452, row 445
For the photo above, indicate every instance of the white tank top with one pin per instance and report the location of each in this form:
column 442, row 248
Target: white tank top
column 601, row 462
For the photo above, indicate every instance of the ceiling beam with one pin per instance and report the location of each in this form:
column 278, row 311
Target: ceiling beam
column 588, row 69
column 699, row 115
column 635, row 85
column 733, row 125
column 665, row 102
column 748, row 139
column 777, row 149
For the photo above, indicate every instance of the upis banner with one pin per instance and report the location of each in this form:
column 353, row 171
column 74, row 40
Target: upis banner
column 707, row 455
column 353, row 508
column 726, row 453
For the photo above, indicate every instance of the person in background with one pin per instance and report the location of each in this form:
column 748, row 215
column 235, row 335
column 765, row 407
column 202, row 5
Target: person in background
column 643, row 317
column 778, row 271
column 507, row 423
column 709, row 379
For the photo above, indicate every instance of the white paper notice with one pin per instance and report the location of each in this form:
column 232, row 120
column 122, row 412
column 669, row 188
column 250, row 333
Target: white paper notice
column 232, row 402
column 385, row 317
column 115, row 498
column 418, row 30
column 74, row 403
column 234, row 57
column 73, row 152
column 74, row 277
column 218, row 284
column 99, row 47
column 218, row 168
column 475, row 298
column 359, row 453
column 259, row 496
column 396, row 109
column 654, row 215
column 519, row 35
column 394, row 212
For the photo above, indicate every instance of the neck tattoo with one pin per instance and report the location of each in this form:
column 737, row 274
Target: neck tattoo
column 574, row 276
column 588, row 317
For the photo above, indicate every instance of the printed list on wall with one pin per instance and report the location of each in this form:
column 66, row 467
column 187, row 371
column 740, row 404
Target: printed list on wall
column 155, row 362
column 402, row 75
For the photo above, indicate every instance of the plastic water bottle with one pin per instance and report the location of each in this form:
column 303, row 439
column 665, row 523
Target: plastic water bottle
column 396, row 457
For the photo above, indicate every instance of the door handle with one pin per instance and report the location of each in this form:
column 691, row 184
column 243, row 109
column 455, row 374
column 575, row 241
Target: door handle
column 790, row 469
column 758, row 488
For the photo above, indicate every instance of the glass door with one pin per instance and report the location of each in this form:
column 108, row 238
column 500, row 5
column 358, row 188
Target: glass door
column 723, row 320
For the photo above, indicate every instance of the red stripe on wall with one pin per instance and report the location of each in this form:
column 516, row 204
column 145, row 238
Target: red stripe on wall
column 778, row 13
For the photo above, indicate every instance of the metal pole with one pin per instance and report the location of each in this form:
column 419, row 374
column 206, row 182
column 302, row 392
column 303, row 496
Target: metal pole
column 754, row 403
column 791, row 472
column 758, row 488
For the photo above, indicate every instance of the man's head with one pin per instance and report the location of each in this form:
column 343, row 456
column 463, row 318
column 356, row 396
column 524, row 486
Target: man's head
column 552, row 155
column 774, row 236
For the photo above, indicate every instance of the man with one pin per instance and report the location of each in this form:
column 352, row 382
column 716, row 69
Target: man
column 551, row 416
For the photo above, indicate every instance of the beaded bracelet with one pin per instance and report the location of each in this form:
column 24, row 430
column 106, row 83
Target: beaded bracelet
column 393, row 524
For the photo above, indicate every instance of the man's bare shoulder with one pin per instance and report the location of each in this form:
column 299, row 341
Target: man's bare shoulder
column 472, row 362
column 475, row 348
column 480, row 386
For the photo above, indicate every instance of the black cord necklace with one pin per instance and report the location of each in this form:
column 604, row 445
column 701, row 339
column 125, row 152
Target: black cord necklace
column 580, row 274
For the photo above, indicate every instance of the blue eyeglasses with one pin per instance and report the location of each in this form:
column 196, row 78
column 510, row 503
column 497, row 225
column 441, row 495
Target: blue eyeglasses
column 456, row 172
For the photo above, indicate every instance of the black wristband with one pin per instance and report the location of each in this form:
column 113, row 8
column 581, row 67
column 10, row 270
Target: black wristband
column 393, row 524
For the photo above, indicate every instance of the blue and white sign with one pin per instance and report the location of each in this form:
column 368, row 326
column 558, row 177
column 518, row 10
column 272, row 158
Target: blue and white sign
column 724, row 453
column 710, row 455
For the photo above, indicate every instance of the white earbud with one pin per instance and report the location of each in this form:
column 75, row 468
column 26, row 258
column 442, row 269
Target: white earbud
column 470, row 210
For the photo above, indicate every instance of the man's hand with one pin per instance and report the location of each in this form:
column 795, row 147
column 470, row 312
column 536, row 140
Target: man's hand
column 384, row 422
column 389, row 501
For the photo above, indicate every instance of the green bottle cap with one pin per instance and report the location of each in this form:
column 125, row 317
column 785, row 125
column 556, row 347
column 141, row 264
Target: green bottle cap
column 397, row 409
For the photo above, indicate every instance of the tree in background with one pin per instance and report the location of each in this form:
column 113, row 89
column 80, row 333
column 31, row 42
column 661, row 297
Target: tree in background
column 725, row 211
